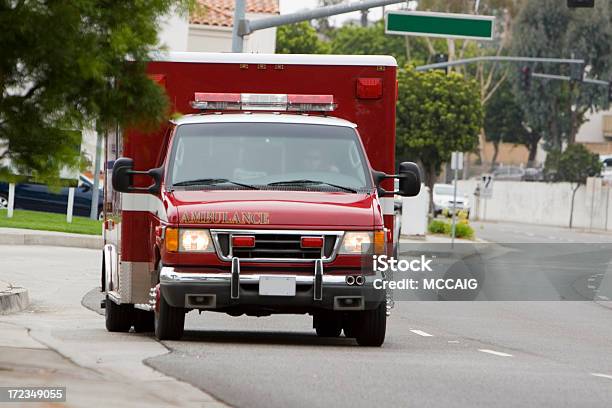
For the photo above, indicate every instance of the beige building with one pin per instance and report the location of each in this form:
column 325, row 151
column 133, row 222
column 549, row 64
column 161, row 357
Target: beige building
column 596, row 132
column 210, row 27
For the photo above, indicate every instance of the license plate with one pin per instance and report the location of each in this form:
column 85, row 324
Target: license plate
column 277, row 286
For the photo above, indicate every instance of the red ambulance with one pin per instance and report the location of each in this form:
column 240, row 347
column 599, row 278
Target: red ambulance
column 258, row 197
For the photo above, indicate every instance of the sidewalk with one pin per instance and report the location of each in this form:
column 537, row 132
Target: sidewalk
column 436, row 239
column 26, row 362
column 16, row 236
column 58, row 342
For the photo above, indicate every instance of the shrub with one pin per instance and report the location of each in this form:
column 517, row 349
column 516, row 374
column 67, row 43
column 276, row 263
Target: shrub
column 439, row 227
column 464, row 231
column 462, row 228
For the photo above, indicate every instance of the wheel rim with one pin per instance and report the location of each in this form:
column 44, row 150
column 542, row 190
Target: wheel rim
column 3, row 202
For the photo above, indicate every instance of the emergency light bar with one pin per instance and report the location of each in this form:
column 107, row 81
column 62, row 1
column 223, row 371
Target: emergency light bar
column 267, row 102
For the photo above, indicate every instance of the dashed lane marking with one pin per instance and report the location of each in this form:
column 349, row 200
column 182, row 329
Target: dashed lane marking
column 421, row 333
column 609, row 377
column 496, row 353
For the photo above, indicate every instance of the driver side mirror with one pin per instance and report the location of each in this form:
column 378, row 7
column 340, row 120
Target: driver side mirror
column 409, row 179
column 123, row 180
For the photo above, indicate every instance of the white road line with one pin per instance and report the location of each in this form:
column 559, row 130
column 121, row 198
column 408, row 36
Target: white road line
column 421, row 333
column 497, row 353
column 609, row 377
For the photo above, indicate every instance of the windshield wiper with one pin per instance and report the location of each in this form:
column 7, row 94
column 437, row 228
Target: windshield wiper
column 212, row 181
column 302, row 182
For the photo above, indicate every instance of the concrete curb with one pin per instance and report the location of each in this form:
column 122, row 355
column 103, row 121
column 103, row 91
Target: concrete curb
column 15, row 236
column 12, row 299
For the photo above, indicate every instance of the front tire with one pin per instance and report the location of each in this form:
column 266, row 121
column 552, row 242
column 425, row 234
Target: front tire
column 144, row 322
column 118, row 317
column 169, row 321
column 372, row 327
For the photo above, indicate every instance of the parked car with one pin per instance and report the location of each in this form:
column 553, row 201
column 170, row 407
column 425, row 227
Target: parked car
column 443, row 195
column 510, row 173
column 533, row 174
column 39, row 197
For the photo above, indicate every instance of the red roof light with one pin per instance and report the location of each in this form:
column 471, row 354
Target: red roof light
column 369, row 88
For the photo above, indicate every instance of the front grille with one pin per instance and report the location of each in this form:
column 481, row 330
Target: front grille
column 276, row 246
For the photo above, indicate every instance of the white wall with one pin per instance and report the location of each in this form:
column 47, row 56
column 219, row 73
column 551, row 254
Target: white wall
column 174, row 32
column 414, row 213
column 544, row 203
column 203, row 38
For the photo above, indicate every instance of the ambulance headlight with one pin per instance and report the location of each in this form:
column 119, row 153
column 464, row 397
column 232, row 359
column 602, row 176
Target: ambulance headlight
column 356, row 242
column 195, row 240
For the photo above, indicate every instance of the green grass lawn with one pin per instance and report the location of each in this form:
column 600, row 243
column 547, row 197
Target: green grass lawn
column 50, row 222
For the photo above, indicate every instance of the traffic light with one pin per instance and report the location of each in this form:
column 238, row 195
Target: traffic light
column 526, row 78
column 580, row 3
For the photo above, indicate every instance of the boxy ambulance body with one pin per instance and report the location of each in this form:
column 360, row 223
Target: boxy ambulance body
column 266, row 195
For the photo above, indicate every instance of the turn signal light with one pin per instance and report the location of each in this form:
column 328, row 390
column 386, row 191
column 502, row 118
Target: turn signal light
column 379, row 242
column 172, row 241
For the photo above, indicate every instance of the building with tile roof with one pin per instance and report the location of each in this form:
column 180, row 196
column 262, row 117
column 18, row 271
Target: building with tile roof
column 210, row 26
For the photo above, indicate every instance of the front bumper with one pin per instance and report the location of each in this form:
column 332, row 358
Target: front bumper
column 182, row 288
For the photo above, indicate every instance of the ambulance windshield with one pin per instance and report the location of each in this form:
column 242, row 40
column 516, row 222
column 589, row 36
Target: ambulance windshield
column 268, row 156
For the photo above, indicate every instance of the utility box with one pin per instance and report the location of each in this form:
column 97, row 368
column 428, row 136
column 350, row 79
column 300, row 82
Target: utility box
column 414, row 213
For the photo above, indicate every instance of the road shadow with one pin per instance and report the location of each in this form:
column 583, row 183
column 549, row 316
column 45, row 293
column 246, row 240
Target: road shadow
column 265, row 337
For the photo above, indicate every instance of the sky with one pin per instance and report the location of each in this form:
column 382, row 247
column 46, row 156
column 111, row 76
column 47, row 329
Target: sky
column 292, row 6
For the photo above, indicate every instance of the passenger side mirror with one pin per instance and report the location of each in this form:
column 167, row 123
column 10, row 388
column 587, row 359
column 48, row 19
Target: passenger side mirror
column 409, row 179
column 123, row 180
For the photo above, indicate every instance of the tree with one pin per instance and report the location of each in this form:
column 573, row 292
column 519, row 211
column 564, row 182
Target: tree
column 504, row 122
column 488, row 76
column 372, row 40
column 64, row 67
column 574, row 166
column 436, row 115
column 544, row 29
column 299, row 38
column 323, row 25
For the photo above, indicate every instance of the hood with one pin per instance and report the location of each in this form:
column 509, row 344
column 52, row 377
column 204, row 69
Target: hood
column 270, row 209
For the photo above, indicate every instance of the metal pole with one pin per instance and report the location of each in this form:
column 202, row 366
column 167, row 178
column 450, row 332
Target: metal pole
column 249, row 26
column 11, row 200
column 566, row 78
column 95, row 193
column 238, row 39
column 453, row 233
column 70, row 205
column 498, row 59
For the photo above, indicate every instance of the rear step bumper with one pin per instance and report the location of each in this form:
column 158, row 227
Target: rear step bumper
column 214, row 291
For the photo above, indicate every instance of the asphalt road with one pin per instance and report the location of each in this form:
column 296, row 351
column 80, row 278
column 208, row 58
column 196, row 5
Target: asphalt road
column 476, row 354
column 436, row 354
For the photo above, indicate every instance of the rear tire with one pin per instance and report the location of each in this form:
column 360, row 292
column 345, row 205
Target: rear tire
column 169, row 321
column 144, row 322
column 118, row 317
column 350, row 325
column 328, row 324
column 372, row 327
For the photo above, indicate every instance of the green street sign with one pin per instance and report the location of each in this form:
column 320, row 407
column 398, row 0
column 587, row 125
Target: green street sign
column 446, row 25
